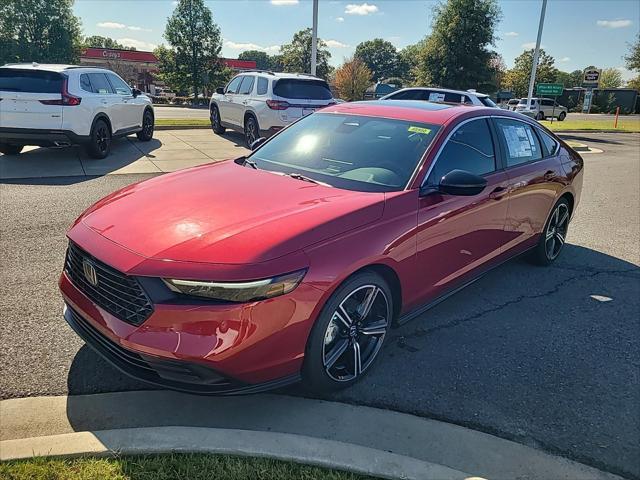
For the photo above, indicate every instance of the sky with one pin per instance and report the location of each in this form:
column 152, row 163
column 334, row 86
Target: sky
column 577, row 33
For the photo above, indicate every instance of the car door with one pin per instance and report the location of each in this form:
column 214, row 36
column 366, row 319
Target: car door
column 125, row 106
column 457, row 236
column 535, row 178
column 105, row 96
column 242, row 99
column 226, row 104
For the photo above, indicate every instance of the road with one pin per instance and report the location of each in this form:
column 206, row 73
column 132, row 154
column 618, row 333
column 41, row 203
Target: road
column 526, row 353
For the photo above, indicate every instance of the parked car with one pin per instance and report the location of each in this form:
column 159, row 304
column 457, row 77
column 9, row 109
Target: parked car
column 512, row 104
column 542, row 108
column 379, row 90
column 259, row 103
column 294, row 262
column 442, row 95
column 62, row 105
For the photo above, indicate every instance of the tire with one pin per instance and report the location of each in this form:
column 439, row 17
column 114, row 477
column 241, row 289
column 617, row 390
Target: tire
column 562, row 116
column 100, row 142
column 10, row 148
column 540, row 116
column 251, row 130
column 553, row 236
column 146, row 134
column 216, row 124
column 328, row 365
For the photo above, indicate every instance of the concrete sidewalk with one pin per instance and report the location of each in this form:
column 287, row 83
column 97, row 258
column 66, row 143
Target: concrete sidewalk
column 390, row 444
column 169, row 150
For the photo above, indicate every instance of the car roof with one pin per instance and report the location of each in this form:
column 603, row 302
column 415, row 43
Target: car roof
column 278, row 75
column 444, row 90
column 51, row 67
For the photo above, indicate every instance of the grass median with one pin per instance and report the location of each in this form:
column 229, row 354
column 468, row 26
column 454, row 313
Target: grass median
column 625, row 124
column 167, row 467
column 183, row 122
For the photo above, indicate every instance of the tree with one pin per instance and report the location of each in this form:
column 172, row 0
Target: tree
column 263, row 61
column 169, row 72
column 633, row 58
column 39, row 31
column 409, row 61
column 457, row 54
column 575, row 79
column 352, row 79
column 380, row 56
column 96, row 41
column 196, row 42
column 610, row 78
column 517, row 79
column 634, row 83
column 296, row 56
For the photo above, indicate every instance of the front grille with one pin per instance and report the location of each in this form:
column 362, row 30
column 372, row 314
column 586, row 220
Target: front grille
column 120, row 295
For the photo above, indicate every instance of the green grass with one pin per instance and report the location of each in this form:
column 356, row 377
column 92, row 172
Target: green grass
column 186, row 122
column 167, row 467
column 625, row 124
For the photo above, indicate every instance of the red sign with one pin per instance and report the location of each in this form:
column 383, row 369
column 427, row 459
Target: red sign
column 239, row 64
column 126, row 55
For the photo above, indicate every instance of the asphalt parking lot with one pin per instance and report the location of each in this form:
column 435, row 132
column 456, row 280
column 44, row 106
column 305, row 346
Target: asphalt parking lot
column 549, row 357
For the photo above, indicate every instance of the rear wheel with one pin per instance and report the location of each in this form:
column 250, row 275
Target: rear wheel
column 562, row 116
column 348, row 334
column 100, row 142
column 10, row 148
column 554, row 235
column 540, row 116
column 251, row 130
column 216, row 122
column 146, row 134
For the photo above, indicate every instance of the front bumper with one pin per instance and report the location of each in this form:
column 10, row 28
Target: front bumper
column 41, row 137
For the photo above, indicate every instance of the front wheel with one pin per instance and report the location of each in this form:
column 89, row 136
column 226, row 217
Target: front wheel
column 562, row 116
column 10, row 148
column 216, row 122
column 348, row 334
column 146, row 134
column 100, row 142
column 553, row 236
column 540, row 116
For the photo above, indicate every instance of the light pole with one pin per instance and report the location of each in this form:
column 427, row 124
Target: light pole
column 314, row 38
column 536, row 55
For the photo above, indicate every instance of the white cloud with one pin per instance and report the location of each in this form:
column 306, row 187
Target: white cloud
column 122, row 26
column 137, row 44
column 251, row 46
column 530, row 45
column 284, row 2
column 335, row 44
column 614, row 23
column 339, row 19
column 360, row 9
column 511, row 34
column 565, row 59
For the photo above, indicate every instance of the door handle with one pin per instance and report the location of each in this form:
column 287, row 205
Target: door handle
column 104, row 102
column 498, row 193
column 549, row 175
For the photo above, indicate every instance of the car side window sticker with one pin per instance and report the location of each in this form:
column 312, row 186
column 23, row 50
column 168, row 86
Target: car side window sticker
column 519, row 141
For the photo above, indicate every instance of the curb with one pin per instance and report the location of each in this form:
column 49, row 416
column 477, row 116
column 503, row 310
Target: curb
column 280, row 446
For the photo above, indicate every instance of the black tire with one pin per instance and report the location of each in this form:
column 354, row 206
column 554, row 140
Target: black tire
column 100, row 143
column 251, row 130
column 328, row 365
column 562, row 116
column 553, row 237
column 10, row 148
column 148, row 123
column 540, row 116
column 216, row 124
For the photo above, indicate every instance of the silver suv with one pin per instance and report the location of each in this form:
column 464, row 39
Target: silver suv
column 260, row 103
column 542, row 108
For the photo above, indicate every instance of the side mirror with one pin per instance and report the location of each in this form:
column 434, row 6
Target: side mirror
column 136, row 92
column 461, row 182
column 220, row 90
column 256, row 143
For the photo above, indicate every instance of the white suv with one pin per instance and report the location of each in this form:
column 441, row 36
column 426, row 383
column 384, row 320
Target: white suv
column 259, row 103
column 542, row 108
column 442, row 95
column 61, row 105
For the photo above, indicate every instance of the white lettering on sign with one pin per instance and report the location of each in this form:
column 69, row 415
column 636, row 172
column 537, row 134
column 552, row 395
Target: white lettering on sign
column 107, row 54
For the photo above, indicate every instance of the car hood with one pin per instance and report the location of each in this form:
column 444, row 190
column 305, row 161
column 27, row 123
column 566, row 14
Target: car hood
column 227, row 213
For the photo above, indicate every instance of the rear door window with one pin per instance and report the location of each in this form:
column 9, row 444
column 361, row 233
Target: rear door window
column 31, row 81
column 100, row 84
column 302, row 89
column 247, row 85
column 520, row 143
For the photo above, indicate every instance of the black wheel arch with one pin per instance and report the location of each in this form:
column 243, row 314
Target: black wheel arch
column 101, row 116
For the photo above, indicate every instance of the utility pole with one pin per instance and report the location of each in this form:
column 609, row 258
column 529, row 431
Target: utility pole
column 536, row 55
column 314, row 38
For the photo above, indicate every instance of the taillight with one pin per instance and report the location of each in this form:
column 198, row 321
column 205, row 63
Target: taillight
column 277, row 104
column 67, row 99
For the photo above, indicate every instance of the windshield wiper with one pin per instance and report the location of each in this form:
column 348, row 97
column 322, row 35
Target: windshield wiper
column 299, row 176
column 251, row 163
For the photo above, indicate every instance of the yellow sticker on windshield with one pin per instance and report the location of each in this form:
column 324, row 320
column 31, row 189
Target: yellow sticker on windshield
column 415, row 129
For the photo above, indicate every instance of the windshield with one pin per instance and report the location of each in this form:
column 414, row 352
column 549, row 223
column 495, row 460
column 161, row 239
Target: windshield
column 353, row 152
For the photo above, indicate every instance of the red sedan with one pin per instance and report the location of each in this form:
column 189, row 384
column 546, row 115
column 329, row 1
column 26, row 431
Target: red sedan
column 294, row 262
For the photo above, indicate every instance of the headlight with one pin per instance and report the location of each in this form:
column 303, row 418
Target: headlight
column 238, row 291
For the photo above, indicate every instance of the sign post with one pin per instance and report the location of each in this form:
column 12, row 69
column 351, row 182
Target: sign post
column 550, row 90
column 590, row 81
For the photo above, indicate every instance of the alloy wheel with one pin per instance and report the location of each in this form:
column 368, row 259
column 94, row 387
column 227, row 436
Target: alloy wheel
column 147, row 126
column 102, row 138
column 355, row 333
column 251, row 131
column 557, row 231
column 215, row 118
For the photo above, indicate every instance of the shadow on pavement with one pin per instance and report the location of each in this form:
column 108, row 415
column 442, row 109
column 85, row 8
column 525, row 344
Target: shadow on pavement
column 595, row 138
column 526, row 353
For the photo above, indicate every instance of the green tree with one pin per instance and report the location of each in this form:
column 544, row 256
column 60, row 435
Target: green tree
column 169, row 72
column 575, row 79
column 410, row 60
column 275, row 63
column 296, row 56
column 457, row 53
column 195, row 40
column 352, row 79
column 263, row 61
column 380, row 56
column 39, row 31
column 97, row 41
column 633, row 58
column 634, row 83
column 610, row 78
column 517, row 79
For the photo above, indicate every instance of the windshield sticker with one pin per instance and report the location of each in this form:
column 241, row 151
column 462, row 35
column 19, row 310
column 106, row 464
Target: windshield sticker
column 415, row 129
column 518, row 142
